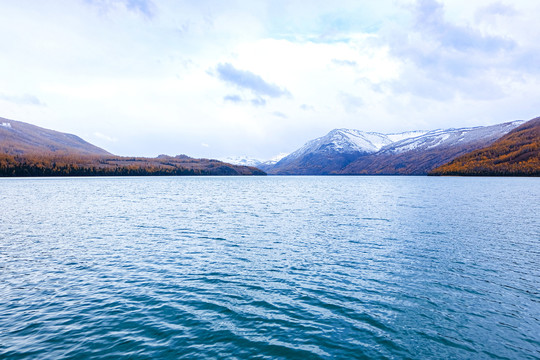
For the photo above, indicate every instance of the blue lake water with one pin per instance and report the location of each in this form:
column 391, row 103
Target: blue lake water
column 270, row 267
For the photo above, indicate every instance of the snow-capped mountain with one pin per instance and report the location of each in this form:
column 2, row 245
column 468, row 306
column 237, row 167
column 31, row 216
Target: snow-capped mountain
column 241, row 160
column 449, row 137
column 335, row 150
column 249, row 161
column 515, row 154
column 350, row 151
column 344, row 141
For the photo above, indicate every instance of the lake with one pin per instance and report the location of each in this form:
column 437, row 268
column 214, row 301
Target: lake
column 270, row 267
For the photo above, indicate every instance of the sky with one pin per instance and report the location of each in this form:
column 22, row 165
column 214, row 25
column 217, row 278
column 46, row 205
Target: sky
column 221, row 78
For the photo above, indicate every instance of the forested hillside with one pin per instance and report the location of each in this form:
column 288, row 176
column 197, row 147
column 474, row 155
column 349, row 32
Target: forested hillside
column 29, row 150
column 515, row 154
column 74, row 165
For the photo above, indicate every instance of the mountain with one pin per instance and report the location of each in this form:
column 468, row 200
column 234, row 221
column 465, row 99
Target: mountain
column 249, row 161
column 19, row 138
column 241, row 160
column 332, row 152
column 515, row 154
column 418, row 155
column 348, row 151
column 28, row 150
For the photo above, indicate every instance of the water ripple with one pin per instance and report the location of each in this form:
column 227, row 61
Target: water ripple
column 270, row 268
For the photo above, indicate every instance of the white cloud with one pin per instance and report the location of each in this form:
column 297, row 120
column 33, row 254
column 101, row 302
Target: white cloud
column 115, row 66
column 105, row 137
column 24, row 99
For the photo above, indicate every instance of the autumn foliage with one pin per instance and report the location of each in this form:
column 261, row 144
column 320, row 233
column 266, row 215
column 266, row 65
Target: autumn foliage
column 29, row 150
column 515, row 154
column 78, row 165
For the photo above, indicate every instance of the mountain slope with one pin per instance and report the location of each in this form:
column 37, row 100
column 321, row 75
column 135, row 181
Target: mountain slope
column 419, row 155
column 21, row 138
column 346, row 151
column 332, row 152
column 28, row 150
column 515, row 154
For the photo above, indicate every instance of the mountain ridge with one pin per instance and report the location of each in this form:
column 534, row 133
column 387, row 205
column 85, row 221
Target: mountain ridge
column 29, row 150
column 351, row 151
column 515, row 154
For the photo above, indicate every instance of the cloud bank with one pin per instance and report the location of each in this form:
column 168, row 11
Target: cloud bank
column 261, row 78
column 24, row 99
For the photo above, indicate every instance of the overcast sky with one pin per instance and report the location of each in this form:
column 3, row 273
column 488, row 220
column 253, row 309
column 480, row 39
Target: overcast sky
column 217, row 78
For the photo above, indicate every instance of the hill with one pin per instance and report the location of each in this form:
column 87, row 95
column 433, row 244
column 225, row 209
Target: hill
column 86, row 165
column 515, row 154
column 28, row 150
column 19, row 138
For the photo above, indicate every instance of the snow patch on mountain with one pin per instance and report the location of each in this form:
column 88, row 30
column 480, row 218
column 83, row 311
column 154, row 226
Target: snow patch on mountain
column 249, row 161
column 241, row 160
column 395, row 137
column 275, row 159
column 350, row 140
column 449, row 137
column 345, row 141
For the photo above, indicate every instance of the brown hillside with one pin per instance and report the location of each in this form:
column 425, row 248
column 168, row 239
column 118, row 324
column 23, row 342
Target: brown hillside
column 515, row 154
column 28, row 150
column 19, row 138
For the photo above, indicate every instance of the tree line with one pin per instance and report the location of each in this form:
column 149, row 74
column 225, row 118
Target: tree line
column 74, row 165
